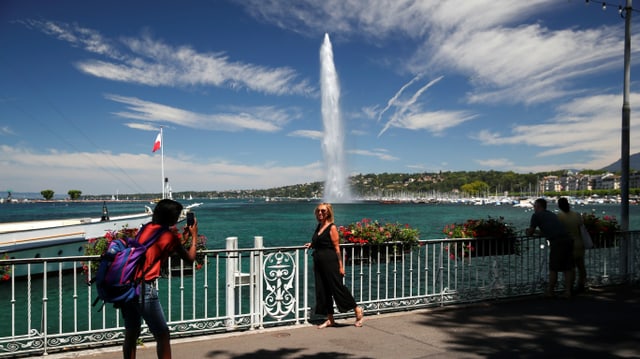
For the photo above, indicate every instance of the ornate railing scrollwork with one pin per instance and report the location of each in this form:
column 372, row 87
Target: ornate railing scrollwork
column 279, row 273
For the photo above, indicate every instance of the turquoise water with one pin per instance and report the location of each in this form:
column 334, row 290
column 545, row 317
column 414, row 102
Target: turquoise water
column 280, row 223
column 291, row 223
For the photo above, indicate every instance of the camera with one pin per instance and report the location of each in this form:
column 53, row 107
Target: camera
column 191, row 219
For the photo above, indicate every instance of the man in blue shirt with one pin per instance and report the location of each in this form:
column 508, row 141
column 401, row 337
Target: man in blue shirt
column 560, row 246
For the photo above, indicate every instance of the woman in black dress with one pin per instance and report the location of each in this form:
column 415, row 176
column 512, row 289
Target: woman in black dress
column 328, row 269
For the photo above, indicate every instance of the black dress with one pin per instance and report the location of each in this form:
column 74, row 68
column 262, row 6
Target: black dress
column 329, row 285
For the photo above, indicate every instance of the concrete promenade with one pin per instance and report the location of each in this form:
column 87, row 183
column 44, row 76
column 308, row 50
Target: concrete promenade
column 603, row 323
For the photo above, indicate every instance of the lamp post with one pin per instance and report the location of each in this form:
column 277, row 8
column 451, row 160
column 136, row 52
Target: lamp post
column 626, row 114
column 624, row 159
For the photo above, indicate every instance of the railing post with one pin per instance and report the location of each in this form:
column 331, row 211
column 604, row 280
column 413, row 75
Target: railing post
column 232, row 264
column 256, row 277
column 624, row 252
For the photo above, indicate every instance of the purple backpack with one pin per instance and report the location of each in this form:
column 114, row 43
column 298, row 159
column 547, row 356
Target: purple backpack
column 115, row 278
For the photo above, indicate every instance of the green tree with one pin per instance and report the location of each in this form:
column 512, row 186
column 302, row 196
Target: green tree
column 74, row 194
column 47, row 194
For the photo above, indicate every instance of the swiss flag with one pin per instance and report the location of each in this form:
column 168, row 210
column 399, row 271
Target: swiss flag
column 158, row 143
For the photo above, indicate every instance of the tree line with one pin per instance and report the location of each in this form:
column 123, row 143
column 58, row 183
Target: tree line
column 471, row 183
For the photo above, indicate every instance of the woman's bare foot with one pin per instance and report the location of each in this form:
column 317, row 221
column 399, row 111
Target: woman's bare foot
column 359, row 317
column 327, row 323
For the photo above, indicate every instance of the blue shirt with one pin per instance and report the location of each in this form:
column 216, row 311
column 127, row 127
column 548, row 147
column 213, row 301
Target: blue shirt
column 549, row 224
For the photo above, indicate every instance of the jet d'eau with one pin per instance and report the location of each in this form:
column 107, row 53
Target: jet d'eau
column 336, row 188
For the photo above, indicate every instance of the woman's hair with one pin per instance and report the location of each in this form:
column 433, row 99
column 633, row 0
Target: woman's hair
column 167, row 212
column 563, row 204
column 329, row 216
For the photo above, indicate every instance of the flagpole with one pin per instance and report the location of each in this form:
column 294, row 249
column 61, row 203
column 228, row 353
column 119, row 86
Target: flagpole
column 162, row 161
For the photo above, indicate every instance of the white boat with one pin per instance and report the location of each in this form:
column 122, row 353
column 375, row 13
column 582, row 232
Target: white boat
column 524, row 203
column 60, row 237
column 67, row 237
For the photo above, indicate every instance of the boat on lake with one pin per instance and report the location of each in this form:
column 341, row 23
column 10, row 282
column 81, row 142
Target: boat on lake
column 55, row 238
column 62, row 237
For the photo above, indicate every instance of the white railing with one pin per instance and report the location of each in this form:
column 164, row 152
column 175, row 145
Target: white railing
column 246, row 289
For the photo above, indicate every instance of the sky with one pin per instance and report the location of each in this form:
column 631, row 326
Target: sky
column 424, row 86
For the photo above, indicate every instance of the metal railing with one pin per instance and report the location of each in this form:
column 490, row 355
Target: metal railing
column 50, row 309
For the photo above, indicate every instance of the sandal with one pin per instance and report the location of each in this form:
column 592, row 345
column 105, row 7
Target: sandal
column 359, row 317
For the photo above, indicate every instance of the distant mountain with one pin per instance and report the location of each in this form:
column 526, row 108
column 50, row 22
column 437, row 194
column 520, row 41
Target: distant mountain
column 634, row 164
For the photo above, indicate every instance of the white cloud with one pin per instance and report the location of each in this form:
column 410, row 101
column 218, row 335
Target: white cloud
column 506, row 59
column 142, row 126
column 434, row 122
column 588, row 124
column 6, row 131
column 153, row 63
column 496, row 163
column 407, row 108
column 381, row 154
column 264, row 119
column 314, row 135
column 92, row 172
column 392, row 100
column 88, row 39
column 507, row 66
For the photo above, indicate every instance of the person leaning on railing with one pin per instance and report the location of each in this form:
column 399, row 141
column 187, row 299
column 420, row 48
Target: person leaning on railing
column 560, row 246
column 572, row 221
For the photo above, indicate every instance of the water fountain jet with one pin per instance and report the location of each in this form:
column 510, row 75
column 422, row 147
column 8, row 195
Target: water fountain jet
column 336, row 188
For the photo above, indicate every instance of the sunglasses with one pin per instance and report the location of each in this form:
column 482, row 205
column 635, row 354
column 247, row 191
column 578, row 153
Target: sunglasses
column 321, row 210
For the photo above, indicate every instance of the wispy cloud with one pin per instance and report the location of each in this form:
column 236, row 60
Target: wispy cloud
column 142, row 126
column 408, row 112
column 435, row 122
column 392, row 101
column 151, row 62
column 581, row 125
column 483, row 40
column 314, row 135
column 6, row 131
column 85, row 38
column 506, row 65
column 380, row 154
column 496, row 163
column 264, row 119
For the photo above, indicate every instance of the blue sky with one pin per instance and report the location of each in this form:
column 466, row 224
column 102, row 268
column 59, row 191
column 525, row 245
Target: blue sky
column 425, row 86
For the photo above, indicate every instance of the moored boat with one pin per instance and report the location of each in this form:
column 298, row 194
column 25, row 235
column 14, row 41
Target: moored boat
column 61, row 237
column 54, row 238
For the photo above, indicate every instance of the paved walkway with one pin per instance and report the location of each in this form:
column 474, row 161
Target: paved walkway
column 604, row 323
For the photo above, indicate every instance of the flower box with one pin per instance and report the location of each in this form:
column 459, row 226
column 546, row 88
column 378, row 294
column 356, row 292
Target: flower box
column 373, row 240
column 492, row 236
column 602, row 230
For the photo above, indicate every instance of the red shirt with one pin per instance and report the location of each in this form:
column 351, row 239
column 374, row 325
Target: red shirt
column 159, row 251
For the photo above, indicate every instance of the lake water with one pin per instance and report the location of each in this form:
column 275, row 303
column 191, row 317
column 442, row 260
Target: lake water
column 279, row 223
column 292, row 222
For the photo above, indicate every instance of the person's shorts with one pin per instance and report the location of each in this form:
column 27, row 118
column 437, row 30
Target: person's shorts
column 561, row 255
column 147, row 307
